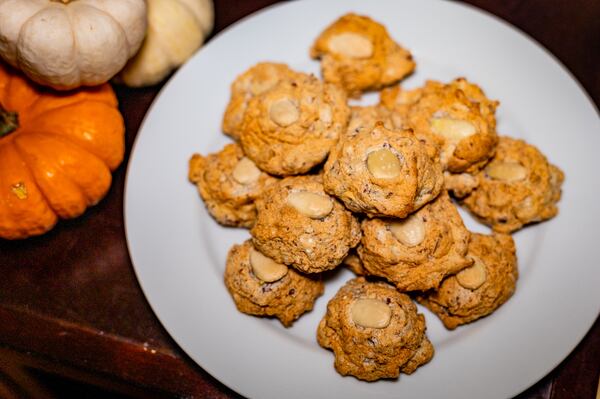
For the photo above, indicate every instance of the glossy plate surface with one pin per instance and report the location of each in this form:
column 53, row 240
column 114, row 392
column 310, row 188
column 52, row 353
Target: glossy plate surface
column 179, row 252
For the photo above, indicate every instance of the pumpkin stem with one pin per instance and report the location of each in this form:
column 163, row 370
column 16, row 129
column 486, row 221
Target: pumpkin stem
column 9, row 121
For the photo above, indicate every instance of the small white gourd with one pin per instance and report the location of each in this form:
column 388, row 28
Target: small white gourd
column 70, row 43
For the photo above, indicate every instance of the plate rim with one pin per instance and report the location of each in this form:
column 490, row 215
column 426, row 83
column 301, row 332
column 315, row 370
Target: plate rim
column 242, row 21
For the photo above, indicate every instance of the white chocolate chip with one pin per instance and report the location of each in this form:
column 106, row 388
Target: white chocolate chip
column 266, row 269
column 409, row 231
column 351, row 45
column 371, row 313
column 383, row 164
column 245, row 171
column 452, row 130
column 284, row 112
column 473, row 276
column 315, row 206
column 506, row 171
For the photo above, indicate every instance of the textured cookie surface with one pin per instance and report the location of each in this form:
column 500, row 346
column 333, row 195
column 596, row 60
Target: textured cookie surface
column 480, row 289
column 517, row 187
column 229, row 183
column 286, row 298
column 302, row 226
column 382, row 172
column 398, row 101
column 365, row 119
column 352, row 261
column 417, row 252
column 358, row 53
column 460, row 184
column 255, row 81
column 291, row 128
column 374, row 331
column 457, row 117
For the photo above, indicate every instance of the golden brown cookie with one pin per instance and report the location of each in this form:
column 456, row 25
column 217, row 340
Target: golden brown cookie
column 475, row 94
column 479, row 290
column 365, row 118
column 460, row 184
column 229, row 183
column 398, row 102
column 253, row 82
column 291, row 128
column 259, row 286
column 382, row 172
column 457, row 117
column 374, row 331
column 417, row 252
column 353, row 262
column 359, row 54
column 517, row 187
column 302, row 226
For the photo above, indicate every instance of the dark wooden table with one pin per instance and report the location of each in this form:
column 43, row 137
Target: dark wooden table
column 73, row 319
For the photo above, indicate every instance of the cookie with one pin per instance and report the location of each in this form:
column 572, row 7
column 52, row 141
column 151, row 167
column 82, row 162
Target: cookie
column 365, row 118
column 475, row 94
column 517, row 187
column 460, row 184
column 398, row 101
column 417, row 252
column 253, row 82
column 456, row 117
column 292, row 127
column 229, row 183
column 357, row 53
column 374, row 331
column 353, row 262
column 259, row 286
column 300, row 225
column 480, row 289
column 382, row 172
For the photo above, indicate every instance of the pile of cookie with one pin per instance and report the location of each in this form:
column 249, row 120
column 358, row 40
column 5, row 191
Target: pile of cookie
column 322, row 184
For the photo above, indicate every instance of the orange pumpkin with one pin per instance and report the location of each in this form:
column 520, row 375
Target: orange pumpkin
column 57, row 151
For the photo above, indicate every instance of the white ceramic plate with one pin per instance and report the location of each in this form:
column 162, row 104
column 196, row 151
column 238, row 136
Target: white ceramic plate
column 179, row 252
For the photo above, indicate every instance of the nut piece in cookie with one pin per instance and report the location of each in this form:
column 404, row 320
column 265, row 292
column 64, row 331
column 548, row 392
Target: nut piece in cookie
column 262, row 287
column 456, row 117
column 292, row 127
column 382, row 172
column 229, row 183
column 253, row 82
column 359, row 54
column 374, row 331
column 480, row 289
column 417, row 252
column 300, row 225
column 517, row 187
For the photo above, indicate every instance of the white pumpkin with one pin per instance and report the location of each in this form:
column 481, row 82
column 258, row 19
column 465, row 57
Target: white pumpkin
column 176, row 29
column 70, row 43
